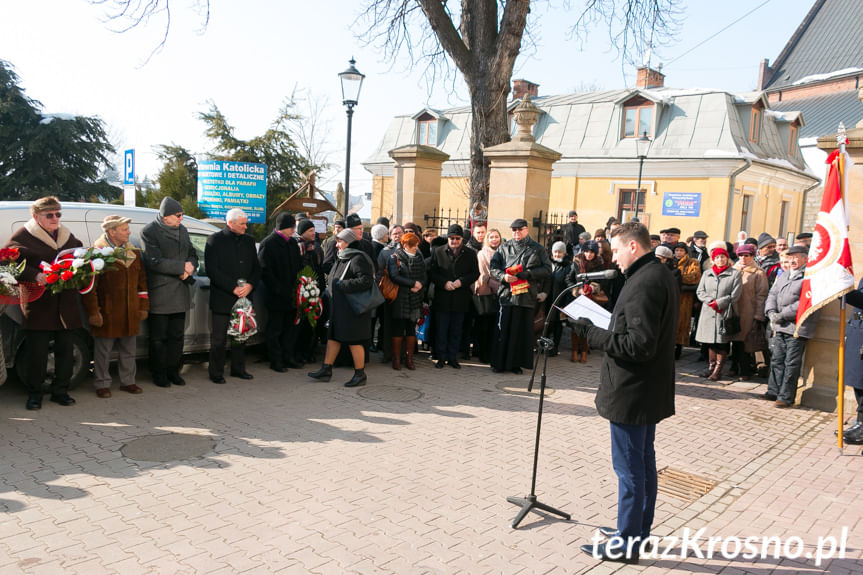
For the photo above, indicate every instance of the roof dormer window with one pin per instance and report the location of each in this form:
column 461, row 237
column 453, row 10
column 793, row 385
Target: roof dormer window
column 427, row 130
column 637, row 118
column 793, row 136
column 755, row 123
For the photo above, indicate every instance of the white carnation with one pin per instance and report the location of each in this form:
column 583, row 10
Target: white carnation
column 98, row 264
column 107, row 251
column 77, row 263
column 7, row 278
column 79, row 252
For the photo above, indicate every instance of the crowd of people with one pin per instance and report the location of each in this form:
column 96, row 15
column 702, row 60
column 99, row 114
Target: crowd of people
column 477, row 293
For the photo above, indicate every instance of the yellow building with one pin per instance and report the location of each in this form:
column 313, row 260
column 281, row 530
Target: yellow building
column 710, row 160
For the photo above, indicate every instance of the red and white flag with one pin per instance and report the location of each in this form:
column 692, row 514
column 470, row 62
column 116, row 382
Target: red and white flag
column 828, row 273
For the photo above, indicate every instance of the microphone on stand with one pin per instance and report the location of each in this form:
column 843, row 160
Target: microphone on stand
column 601, row 275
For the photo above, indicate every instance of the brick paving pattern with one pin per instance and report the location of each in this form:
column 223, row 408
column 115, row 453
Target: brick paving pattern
column 310, row 477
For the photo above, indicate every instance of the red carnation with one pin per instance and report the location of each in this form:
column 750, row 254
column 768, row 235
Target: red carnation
column 51, row 278
column 65, row 264
column 67, row 275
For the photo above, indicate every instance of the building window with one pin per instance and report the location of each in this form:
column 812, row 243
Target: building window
column 746, row 214
column 783, row 217
column 626, row 205
column 428, row 133
column 638, row 118
column 792, row 141
column 754, row 125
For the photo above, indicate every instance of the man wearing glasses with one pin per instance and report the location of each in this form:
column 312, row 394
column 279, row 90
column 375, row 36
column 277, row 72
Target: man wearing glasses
column 170, row 260
column 52, row 316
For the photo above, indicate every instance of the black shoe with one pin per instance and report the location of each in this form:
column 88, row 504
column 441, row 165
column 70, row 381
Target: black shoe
column 161, row 383
column 34, row 403
column 278, row 367
column 325, row 373
column 293, row 364
column 619, row 555
column 359, row 378
column 678, row 349
column 454, row 363
column 218, row 379
column 242, row 375
column 854, row 427
column 608, row 531
column 496, row 370
column 63, row 399
column 176, row 380
column 440, row 364
column 854, row 436
column 767, row 396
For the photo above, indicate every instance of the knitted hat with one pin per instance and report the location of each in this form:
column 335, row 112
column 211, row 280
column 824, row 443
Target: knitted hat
column 347, row 236
column 717, row 247
column 558, row 247
column 170, row 207
column 304, row 226
column 353, row 220
column 114, row 221
column 340, row 223
column 285, row 221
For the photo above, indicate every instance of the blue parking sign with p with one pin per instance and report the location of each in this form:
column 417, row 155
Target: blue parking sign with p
column 129, row 167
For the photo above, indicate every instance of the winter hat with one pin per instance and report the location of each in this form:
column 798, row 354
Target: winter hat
column 45, row 204
column 717, row 247
column 340, row 223
column 664, row 251
column 746, row 249
column 559, row 247
column 169, row 207
column 765, row 239
column 699, row 234
column 751, row 241
column 347, row 236
column 592, row 246
column 285, row 221
column 353, row 220
column 572, row 213
column 114, row 221
column 455, row 230
column 796, row 249
column 304, row 226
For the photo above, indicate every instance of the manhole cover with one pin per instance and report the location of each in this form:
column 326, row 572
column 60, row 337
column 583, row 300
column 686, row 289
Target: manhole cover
column 683, row 485
column 390, row 393
column 520, row 388
column 168, row 447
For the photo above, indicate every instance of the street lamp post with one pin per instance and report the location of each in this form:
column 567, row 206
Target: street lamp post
column 352, row 81
column 642, row 152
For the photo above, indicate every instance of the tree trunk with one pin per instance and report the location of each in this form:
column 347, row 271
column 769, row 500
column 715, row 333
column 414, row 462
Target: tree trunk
column 489, row 127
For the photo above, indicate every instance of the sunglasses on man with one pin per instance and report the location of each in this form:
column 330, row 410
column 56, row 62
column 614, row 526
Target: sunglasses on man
column 52, row 215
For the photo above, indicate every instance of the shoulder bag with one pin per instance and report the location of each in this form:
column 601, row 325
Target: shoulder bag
column 729, row 323
column 389, row 290
column 364, row 301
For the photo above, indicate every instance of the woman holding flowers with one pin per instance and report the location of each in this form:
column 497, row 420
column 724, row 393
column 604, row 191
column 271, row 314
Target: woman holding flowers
column 407, row 269
column 54, row 315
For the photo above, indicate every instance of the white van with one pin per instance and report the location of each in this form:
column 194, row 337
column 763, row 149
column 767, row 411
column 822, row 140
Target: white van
column 84, row 220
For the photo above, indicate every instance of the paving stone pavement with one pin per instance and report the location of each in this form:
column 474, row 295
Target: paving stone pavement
column 310, row 477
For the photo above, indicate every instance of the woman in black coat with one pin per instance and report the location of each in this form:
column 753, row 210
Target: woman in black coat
column 407, row 269
column 353, row 272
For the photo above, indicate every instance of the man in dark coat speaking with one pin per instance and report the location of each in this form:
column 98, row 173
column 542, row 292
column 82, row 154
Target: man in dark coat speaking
column 636, row 388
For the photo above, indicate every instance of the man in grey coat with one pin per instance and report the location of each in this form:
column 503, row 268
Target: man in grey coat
column 787, row 350
column 170, row 259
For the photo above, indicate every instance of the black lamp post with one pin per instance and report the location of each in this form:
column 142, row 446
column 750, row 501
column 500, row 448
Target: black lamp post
column 352, row 81
column 642, row 148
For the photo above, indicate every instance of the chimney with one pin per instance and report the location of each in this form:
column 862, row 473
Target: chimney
column 522, row 87
column 765, row 74
column 650, row 78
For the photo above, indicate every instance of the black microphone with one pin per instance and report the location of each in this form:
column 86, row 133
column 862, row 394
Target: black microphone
column 603, row 275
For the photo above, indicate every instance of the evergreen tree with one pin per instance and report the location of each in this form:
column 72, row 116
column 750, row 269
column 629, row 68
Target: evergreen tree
column 42, row 154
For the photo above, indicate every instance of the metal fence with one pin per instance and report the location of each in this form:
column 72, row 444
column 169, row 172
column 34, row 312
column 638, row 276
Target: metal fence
column 549, row 227
column 442, row 219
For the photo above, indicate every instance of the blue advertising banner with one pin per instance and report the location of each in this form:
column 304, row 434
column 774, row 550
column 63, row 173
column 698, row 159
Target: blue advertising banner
column 226, row 185
column 686, row 204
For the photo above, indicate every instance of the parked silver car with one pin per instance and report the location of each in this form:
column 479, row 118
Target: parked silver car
column 84, row 220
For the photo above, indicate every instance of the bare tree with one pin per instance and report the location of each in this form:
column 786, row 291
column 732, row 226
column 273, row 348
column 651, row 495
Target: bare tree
column 483, row 46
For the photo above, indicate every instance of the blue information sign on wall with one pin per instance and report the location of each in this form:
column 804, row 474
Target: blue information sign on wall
column 686, row 204
column 226, row 185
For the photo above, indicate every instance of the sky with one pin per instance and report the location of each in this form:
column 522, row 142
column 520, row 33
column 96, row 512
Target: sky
column 253, row 54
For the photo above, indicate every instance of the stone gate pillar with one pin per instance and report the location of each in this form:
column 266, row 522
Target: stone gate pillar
column 417, row 182
column 520, row 180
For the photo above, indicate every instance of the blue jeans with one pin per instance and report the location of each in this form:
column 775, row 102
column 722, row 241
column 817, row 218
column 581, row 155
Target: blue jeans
column 785, row 365
column 634, row 461
column 448, row 334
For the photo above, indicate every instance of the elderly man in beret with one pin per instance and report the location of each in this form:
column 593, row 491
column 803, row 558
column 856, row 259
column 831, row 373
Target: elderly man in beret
column 115, row 308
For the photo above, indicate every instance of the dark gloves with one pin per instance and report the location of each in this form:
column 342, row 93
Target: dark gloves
column 581, row 326
column 523, row 275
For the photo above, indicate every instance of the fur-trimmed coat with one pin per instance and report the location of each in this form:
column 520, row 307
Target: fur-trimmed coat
column 50, row 312
column 118, row 296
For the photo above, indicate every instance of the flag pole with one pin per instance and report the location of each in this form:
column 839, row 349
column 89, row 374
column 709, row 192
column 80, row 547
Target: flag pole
column 840, row 397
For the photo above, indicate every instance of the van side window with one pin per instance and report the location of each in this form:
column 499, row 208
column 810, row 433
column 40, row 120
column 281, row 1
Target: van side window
column 199, row 242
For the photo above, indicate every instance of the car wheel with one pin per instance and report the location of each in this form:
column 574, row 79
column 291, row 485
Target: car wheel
column 81, row 357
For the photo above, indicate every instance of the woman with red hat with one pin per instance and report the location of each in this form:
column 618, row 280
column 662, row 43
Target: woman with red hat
column 719, row 289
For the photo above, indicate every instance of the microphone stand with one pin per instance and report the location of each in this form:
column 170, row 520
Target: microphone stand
column 544, row 344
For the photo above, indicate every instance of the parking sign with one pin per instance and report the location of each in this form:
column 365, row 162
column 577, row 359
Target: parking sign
column 129, row 167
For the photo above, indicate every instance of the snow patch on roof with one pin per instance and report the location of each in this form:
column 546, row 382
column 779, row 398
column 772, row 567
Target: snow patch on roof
column 828, row 75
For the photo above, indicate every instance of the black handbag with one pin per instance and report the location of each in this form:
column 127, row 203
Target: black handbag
column 364, row 301
column 484, row 304
column 729, row 323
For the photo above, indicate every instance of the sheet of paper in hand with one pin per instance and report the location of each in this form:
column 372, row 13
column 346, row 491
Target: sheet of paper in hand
column 583, row 306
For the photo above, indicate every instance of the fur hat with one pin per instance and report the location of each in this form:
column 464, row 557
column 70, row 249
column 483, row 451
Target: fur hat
column 46, row 204
column 114, row 221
